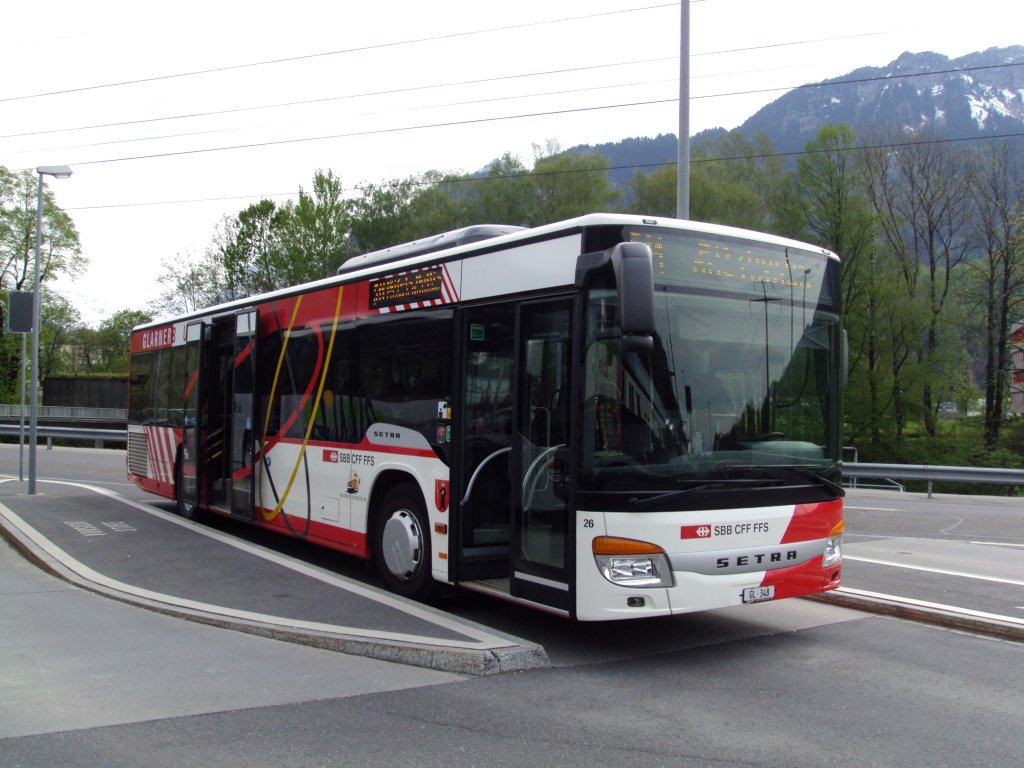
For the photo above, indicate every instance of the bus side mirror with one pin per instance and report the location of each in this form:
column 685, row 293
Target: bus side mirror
column 634, row 276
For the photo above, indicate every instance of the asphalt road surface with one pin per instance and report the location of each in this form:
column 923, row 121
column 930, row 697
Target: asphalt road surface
column 87, row 681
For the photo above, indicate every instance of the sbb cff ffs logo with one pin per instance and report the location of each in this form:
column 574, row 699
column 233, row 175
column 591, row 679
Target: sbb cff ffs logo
column 702, row 531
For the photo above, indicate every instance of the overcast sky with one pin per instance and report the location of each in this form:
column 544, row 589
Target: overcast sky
column 173, row 119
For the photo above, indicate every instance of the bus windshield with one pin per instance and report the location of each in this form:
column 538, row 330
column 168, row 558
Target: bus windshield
column 741, row 388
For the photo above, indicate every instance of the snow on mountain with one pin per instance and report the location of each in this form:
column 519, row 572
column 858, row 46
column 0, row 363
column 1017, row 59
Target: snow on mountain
column 981, row 94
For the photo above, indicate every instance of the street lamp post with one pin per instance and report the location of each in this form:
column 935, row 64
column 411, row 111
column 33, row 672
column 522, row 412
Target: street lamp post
column 58, row 172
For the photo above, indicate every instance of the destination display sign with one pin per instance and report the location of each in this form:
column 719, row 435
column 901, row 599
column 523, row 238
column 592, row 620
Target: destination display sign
column 707, row 261
column 407, row 288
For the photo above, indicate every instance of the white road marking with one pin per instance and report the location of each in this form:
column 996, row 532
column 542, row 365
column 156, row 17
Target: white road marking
column 935, row 606
column 943, row 571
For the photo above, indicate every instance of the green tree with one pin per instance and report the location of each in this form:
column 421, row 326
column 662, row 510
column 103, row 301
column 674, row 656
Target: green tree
column 10, row 364
column 922, row 197
column 60, row 252
column 59, row 323
column 721, row 188
column 255, row 261
column 654, row 193
column 504, row 194
column 312, row 232
column 379, row 217
column 114, row 339
column 439, row 204
column 837, row 215
column 190, row 283
column 86, row 355
column 995, row 280
column 567, row 185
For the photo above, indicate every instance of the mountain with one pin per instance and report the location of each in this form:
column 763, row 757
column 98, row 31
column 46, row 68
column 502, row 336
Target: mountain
column 981, row 94
column 977, row 95
column 628, row 156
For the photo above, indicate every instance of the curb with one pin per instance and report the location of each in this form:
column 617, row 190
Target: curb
column 946, row 616
column 514, row 657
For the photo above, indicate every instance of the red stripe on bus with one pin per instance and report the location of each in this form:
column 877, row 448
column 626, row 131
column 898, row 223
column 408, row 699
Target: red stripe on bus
column 805, row 579
column 363, row 445
column 314, row 377
column 246, row 351
column 333, row 536
column 813, row 521
column 191, row 384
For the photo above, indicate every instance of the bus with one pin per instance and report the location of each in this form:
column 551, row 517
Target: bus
column 609, row 417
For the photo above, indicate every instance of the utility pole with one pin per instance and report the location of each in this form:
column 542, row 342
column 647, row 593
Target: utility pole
column 683, row 158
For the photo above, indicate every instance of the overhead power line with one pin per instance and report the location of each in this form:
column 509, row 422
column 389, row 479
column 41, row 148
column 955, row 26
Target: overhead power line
column 343, row 97
column 411, row 89
column 322, row 54
column 549, row 113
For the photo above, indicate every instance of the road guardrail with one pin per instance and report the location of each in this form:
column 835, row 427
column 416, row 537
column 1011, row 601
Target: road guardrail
column 851, row 470
column 933, row 473
column 79, row 413
column 99, row 436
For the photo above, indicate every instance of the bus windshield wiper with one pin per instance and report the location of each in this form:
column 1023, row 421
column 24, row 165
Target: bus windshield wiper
column 698, row 485
column 805, row 471
column 815, row 477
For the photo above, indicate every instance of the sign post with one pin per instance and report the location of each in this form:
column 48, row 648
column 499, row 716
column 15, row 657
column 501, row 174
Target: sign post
column 19, row 320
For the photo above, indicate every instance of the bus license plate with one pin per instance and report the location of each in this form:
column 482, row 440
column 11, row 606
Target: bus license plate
column 758, row 594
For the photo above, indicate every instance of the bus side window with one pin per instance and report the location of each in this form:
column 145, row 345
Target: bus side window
column 293, row 388
column 142, row 388
column 404, row 371
column 339, row 409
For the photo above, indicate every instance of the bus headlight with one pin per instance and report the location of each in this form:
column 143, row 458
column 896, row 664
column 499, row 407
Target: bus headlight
column 834, row 547
column 630, row 563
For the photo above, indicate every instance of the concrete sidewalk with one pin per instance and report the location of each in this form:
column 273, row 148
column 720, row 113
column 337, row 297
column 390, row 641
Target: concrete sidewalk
column 136, row 553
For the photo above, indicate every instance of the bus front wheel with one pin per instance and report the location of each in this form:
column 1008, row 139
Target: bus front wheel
column 401, row 544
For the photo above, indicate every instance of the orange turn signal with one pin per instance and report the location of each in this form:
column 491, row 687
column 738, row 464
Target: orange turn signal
column 613, row 545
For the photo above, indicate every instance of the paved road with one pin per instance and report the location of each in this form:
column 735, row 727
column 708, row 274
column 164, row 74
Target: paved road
column 86, row 681
column 954, row 558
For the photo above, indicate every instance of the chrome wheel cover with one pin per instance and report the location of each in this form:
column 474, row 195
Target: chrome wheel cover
column 402, row 545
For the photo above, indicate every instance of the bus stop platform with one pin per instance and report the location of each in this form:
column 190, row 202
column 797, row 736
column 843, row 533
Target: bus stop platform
column 137, row 553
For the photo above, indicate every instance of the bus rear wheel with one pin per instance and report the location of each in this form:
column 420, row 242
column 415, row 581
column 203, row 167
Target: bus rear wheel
column 401, row 545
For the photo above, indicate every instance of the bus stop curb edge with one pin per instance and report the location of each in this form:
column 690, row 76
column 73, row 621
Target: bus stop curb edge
column 445, row 658
column 943, row 616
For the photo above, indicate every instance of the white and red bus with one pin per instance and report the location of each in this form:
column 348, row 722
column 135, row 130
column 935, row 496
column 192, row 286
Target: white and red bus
column 608, row 417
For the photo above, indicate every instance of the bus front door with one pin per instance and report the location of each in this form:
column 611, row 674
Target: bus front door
column 481, row 472
column 512, row 432
column 541, row 546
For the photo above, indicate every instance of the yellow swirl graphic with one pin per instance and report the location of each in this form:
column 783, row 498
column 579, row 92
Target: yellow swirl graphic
column 316, row 405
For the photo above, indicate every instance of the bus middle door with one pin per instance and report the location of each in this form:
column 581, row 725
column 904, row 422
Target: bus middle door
column 227, row 413
column 188, row 472
column 243, row 415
